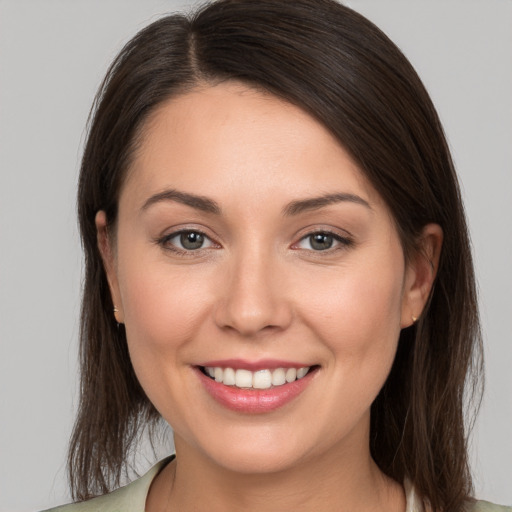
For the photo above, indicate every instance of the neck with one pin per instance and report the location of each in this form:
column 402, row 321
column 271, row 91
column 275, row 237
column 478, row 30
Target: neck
column 331, row 482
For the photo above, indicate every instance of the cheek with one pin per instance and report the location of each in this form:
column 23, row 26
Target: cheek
column 359, row 322
column 358, row 313
column 163, row 308
column 164, row 311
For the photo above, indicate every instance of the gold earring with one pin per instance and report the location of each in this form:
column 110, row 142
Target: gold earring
column 116, row 310
column 414, row 319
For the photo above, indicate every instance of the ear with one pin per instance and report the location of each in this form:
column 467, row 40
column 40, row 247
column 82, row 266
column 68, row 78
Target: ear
column 420, row 274
column 108, row 256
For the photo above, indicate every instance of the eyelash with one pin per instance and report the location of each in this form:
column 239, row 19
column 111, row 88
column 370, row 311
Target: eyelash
column 343, row 242
column 165, row 242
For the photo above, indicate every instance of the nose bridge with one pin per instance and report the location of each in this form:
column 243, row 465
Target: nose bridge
column 254, row 298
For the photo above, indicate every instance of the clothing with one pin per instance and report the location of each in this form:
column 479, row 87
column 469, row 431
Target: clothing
column 132, row 498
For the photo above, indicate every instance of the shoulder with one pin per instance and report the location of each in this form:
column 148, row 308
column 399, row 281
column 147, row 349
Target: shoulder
column 485, row 506
column 115, row 501
column 130, row 498
column 415, row 504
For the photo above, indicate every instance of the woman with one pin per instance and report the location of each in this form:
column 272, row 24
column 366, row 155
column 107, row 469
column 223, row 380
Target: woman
column 277, row 263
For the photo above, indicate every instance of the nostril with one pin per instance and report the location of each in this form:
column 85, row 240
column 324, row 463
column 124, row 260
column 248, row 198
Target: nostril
column 249, row 318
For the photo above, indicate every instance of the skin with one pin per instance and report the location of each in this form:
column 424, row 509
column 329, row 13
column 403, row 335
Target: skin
column 259, row 290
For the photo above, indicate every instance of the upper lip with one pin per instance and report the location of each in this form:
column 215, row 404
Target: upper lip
column 261, row 364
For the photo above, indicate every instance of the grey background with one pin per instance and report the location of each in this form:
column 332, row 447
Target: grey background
column 52, row 57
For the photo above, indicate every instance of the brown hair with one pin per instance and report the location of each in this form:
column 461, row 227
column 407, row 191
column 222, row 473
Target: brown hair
column 344, row 71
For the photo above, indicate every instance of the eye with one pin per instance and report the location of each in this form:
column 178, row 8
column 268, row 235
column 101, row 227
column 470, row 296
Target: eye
column 187, row 240
column 322, row 241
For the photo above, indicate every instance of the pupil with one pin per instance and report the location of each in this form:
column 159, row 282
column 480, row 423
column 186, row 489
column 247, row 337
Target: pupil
column 321, row 241
column 191, row 240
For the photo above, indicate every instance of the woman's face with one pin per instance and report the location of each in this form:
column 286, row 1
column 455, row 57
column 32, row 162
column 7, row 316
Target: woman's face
column 250, row 245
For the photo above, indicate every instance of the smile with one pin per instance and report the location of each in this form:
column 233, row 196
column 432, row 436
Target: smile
column 260, row 379
column 261, row 389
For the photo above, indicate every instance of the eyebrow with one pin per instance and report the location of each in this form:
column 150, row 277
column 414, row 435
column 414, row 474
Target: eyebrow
column 294, row 208
column 315, row 203
column 198, row 202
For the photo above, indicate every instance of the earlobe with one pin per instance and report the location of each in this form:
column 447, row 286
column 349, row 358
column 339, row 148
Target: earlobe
column 421, row 273
column 107, row 255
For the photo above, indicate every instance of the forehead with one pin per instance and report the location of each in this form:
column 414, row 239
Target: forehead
column 243, row 141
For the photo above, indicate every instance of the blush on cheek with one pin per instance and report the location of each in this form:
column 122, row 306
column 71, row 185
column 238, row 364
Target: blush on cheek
column 160, row 312
column 359, row 309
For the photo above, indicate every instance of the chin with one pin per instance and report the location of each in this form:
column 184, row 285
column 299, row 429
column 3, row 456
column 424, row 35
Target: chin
column 257, row 461
column 258, row 450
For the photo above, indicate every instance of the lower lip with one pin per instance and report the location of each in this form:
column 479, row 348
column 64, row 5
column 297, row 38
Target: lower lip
column 254, row 401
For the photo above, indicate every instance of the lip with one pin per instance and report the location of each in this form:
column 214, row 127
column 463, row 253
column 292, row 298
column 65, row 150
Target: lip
column 254, row 401
column 254, row 366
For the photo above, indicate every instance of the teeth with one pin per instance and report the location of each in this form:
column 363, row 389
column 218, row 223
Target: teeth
column 243, row 379
column 278, row 377
column 291, row 374
column 261, row 379
column 301, row 372
column 229, row 377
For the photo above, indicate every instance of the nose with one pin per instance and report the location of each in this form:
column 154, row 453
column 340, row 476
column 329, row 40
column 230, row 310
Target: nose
column 253, row 298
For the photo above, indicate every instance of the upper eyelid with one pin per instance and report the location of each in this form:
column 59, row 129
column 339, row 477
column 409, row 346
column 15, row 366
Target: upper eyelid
column 336, row 236
column 164, row 243
column 174, row 231
column 164, row 240
column 339, row 234
column 336, row 232
column 174, row 234
column 344, row 241
column 326, row 231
